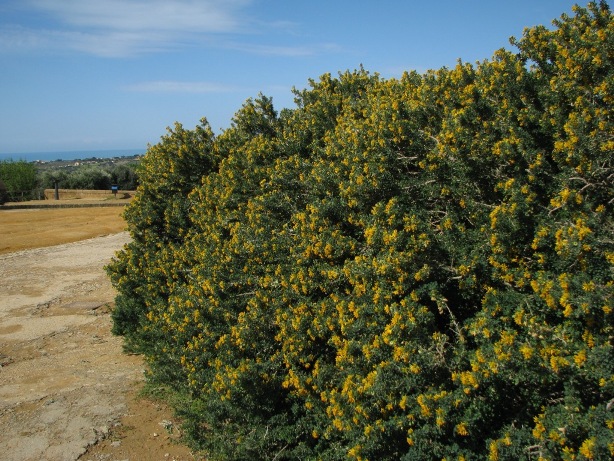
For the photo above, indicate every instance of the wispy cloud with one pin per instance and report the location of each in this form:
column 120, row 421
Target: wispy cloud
column 284, row 50
column 142, row 15
column 121, row 27
column 180, row 87
column 118, row 28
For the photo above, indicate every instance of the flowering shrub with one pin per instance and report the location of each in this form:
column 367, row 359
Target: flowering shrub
column 405, row 269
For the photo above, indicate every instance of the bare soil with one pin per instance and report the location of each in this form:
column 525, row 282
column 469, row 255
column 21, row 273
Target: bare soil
column 67, row 389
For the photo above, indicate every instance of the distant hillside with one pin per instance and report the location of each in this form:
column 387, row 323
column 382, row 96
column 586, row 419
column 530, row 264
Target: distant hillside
column 71, row 164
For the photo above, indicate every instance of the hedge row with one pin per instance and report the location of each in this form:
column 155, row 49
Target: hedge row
column 415, row 268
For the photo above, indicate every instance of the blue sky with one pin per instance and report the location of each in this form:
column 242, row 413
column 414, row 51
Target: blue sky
column 113, row 74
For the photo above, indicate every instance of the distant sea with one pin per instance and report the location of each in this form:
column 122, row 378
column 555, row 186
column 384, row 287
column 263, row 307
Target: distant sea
column 71, row 155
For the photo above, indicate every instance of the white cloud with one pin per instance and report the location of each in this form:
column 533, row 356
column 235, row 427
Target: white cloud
column 180, row 87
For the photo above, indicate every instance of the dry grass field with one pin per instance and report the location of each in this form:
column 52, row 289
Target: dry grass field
column 42, row 227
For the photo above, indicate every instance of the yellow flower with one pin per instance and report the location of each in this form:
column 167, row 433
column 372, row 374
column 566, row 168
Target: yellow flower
column 587, row 448
column 526, row 351
column 461, row 429
column 493, row 451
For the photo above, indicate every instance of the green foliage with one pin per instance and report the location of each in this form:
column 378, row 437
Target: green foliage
column 405, row 269
column 20, row 179
column 124, row 176
column 49, row 178
column 158, row 219
column 91, row 177
column 3, row 193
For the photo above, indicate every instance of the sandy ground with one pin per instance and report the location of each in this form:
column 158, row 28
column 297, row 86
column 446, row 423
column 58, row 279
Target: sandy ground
column 67, row 391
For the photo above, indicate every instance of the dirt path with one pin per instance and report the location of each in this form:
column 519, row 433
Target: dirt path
column 65, row 383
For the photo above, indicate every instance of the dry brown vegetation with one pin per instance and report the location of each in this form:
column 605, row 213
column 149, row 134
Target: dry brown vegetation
column 42, row 227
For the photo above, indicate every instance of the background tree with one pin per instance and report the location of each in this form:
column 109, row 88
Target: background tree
column 3, row 193
column 20, row 179
column 49, row 178
column 89, row 177
column 125, row 176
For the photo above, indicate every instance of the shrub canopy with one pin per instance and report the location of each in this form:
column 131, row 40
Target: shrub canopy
column 415, row 268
